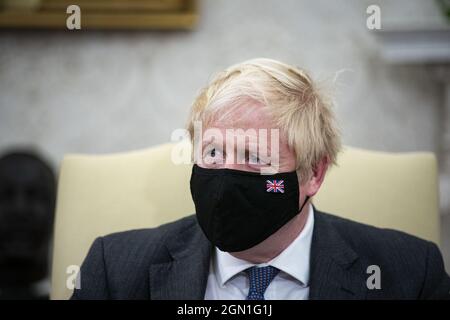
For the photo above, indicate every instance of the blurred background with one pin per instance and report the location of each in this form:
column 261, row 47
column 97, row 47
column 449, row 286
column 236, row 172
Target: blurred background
column 125, row 81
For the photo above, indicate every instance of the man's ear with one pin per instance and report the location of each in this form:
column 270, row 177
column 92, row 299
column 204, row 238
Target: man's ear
column 312, row 186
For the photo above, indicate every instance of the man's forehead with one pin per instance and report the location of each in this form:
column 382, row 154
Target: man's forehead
column 246, row 115
column 265, row 130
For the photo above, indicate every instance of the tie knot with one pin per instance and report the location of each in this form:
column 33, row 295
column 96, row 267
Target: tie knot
column 260, row 278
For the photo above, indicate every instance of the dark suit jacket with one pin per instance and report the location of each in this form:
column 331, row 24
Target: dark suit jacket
column 172, row 262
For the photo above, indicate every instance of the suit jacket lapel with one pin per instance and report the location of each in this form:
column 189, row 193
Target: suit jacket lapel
column 185, row 276
column 335, row 270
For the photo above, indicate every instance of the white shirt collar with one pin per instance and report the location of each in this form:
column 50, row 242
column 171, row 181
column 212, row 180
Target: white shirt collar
column 294, row 260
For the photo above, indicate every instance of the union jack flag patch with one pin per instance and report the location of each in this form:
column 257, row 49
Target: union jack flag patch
column 275, row 186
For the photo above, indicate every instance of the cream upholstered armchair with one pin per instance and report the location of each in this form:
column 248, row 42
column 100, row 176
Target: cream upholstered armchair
column 102, row 194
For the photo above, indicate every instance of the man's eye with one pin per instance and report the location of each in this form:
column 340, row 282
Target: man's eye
column 254, row 159
column 212, row 155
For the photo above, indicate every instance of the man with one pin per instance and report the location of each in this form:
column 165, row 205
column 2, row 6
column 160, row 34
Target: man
column 255, row 234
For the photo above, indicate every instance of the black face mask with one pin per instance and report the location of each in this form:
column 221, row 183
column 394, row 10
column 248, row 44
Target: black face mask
column 238, row 209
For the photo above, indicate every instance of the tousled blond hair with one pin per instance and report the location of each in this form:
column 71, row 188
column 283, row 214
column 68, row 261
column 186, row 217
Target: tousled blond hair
column 289, row 94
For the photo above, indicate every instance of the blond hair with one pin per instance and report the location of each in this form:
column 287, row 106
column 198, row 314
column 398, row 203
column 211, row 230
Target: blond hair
column 290, row 95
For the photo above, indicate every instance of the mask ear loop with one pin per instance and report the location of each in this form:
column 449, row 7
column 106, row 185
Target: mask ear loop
column 306, row 200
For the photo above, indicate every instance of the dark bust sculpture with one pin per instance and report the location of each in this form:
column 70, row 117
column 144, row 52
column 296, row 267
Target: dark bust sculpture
column 27, row 203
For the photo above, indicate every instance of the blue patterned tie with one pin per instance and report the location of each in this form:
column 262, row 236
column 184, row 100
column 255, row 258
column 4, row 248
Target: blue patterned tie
column 260, row 278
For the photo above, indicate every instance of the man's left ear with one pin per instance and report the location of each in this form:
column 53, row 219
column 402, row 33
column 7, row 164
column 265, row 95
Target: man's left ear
column 318, row 175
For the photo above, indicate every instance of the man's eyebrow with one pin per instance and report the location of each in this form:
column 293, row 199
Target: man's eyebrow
column 209, row 141
column 258, row 145
column 249, row 145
